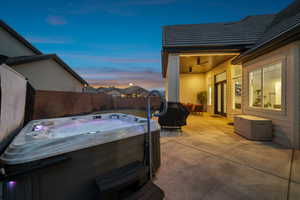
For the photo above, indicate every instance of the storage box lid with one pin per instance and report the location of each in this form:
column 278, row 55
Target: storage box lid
column 12, row 106
column 253, row 118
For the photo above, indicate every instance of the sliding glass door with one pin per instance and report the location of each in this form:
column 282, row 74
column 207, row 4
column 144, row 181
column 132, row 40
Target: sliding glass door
column 221, row 94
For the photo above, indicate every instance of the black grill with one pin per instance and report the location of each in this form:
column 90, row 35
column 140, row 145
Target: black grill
column 175, row 116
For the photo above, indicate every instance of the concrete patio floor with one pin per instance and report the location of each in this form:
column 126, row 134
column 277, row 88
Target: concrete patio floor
column 209, row 161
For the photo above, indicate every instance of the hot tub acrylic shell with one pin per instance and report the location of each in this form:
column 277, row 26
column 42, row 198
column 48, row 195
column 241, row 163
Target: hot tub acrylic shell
column 72, row 170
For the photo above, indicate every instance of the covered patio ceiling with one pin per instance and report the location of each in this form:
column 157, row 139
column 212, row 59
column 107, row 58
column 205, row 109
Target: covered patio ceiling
column 197, row 63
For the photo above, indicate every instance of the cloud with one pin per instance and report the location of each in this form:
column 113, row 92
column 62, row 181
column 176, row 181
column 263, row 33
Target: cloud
column 147, row 2
column 96, row 70
column 56, row 20
column 121, row 8
column 118, row 47
column 139, row 68
column 129, row 60
column 91, row 6
column 219, row 4
column 48, row 40
column 109, row 59
column 121, row 78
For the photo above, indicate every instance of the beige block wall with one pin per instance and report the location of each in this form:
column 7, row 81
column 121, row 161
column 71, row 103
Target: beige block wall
column 11, row 46
column 190, row 86
column 49, row 75
column 285, row 122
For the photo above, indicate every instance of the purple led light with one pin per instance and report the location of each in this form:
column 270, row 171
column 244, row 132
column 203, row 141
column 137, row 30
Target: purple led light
column 12, row 184
column 38, row 127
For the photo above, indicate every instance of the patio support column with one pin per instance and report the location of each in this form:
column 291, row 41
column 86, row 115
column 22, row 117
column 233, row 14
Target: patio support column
column 173, row 78
column 176, row 114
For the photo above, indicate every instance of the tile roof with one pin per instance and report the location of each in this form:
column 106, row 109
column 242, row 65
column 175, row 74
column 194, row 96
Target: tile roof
column 247, row 31
column 28, row 59
column 285, row 21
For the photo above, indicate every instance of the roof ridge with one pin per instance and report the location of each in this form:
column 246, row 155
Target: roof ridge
column 287, row 12
column 284, row 22
column 245, row 31
column 19, row 37
column 228, row 22
column 34, row 58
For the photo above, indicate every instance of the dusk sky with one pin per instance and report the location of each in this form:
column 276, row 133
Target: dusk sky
column 118, row 42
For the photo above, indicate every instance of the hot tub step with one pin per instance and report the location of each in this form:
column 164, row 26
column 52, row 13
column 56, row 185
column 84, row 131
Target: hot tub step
column 149, row 191
column 122, row 182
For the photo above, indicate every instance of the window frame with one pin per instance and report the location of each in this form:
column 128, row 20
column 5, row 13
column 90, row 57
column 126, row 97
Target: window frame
column 260, row 66
column 233, row 79
column 233, row 100
column 261, row 87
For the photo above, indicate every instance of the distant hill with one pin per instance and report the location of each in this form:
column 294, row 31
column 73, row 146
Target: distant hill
column 132, row 91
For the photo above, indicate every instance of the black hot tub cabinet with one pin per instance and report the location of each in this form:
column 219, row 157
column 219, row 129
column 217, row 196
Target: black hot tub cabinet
column 62, row 158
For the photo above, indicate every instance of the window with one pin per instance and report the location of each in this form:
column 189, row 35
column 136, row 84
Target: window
column 236, row 87
column 272, row 87
column 255, row 92
column 237, row 93
column 265, row 87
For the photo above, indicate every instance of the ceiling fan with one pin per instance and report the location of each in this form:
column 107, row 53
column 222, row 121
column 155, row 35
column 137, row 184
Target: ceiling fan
column 199, row 61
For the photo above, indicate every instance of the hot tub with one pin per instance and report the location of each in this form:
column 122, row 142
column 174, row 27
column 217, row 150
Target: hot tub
column 61, row 158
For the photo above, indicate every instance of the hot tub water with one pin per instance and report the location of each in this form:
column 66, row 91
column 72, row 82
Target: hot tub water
column 40, row 139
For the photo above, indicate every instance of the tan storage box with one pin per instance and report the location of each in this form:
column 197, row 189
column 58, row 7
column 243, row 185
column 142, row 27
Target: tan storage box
column 253, row 128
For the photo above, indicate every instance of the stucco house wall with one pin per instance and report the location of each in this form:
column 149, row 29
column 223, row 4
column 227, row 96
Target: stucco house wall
column 190, row 86
column 12, row 47
column 49, row 75
column 285, row 121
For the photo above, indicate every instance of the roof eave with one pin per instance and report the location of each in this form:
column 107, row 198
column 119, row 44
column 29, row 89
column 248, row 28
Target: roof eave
column 198, row 49
column 192, row 48
column 29, row 59
column 274, row 43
